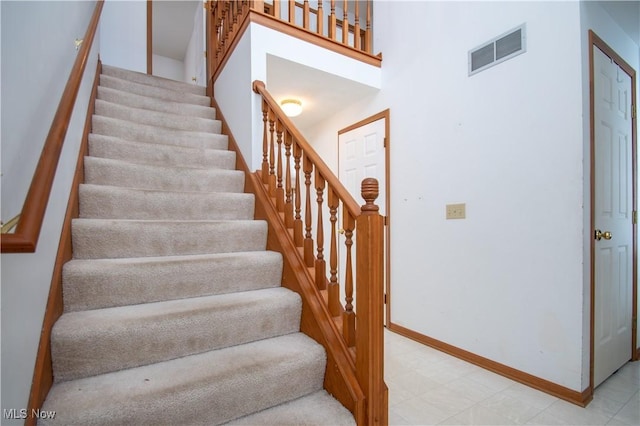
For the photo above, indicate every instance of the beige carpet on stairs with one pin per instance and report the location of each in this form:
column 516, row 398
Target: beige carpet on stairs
column 173, row 309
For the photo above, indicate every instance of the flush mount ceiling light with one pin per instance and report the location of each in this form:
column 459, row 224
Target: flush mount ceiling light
column 291, row 107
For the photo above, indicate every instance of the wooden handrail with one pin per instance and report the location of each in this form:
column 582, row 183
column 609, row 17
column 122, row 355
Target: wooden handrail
column 350, row 203
column 229, row 20
column 306, row 197
column 25, row 239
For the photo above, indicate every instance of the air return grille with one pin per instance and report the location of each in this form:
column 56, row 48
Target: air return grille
column 501, row 48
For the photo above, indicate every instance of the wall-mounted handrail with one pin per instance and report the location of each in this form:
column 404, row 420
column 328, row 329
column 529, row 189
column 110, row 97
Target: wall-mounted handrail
column 309, row 198
column 25, row 239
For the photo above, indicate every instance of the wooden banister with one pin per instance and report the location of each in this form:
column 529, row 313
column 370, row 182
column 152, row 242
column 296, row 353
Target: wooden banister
column 324, row 170
column 320, row 198
column 231, row 18
column 25, row 238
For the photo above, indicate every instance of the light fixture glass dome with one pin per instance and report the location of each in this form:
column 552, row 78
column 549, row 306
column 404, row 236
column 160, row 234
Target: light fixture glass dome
column 291, row 107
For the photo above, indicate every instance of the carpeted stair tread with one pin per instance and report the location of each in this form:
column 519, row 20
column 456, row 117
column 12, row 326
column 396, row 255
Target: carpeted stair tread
column 318, row 408
column 152, row 104
column 155, row 118
column 152, row 80
column 159, row 154
column 205, row 389
column 103, row 171
column 88, row 343
column 144, row 133
column 114, row 202
column 104, row 283
column 159, row 93
column 174, row 310
column 109, row 238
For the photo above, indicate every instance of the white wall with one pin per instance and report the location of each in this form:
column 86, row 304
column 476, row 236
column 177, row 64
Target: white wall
column 507, row 282
column 194, row 60
column 37, row 57
column 249, row 63
column 168, row 68
column 594, row 17
column 126, row 24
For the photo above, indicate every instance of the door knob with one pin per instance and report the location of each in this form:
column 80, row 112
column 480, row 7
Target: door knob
column 600, row 235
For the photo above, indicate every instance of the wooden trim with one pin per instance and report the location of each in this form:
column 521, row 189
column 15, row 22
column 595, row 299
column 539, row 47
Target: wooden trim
column 387, row 134
column 149, row 37
column 595, row 41
column 25, row 239
column 575, row 397
column 317, row 39
column 43, row 370
column 340, row 379
column 294, row 31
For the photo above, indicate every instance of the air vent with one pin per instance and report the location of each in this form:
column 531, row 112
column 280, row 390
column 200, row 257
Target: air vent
column 501, row 48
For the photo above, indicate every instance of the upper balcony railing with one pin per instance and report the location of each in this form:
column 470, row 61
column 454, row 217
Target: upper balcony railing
column 341, row 25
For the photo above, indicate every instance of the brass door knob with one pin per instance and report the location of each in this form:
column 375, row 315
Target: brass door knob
column 340, row 231
column 600, row 235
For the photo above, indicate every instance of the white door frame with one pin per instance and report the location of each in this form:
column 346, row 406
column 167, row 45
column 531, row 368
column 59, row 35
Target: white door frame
column 595, row 41
column 385, row 116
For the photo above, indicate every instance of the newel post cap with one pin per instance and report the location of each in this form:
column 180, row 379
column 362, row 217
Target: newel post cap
column 370, row 191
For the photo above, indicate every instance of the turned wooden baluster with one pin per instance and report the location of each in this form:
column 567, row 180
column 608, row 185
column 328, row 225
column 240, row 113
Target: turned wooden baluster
column 297, row 222
column 320, row 263
column 276, row 9
column 345, row 23
column 292, row 12
column 356, row 27
column 265, row 144
column 332, row 20
column 334, row 287
column 308, row 240
column 305, row 14
column 370, row 300
column 348, row 316
column 279, row 189
column 226, row 18
column 320, row 19
column 367, row 33
column 272, row 150
column 288, row 205
column 235, row 11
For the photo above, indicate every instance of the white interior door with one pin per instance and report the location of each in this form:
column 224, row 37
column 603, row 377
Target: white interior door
column 361, row 154
column 613, row 217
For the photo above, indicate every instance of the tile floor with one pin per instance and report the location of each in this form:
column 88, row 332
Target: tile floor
column 429, row 387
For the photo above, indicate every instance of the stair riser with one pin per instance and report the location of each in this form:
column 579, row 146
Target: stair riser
column 151, row 104
column 128, row 175
column 107, row 202
column 153, row 92
column 142, row 133
column 100, row 238
column 156, row 81
column 154, row 118
column 158, row 154
column 81, row 346
column 96, row 284
column 206, row 389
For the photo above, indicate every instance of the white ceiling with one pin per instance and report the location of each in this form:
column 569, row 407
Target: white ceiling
column 321, row 93
column 172, row 27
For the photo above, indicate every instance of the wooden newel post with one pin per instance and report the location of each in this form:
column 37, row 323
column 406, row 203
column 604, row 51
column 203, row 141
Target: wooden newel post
column 369, row 305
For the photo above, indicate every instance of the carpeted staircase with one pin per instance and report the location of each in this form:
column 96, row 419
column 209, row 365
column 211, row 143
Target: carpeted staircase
column 174, row 313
